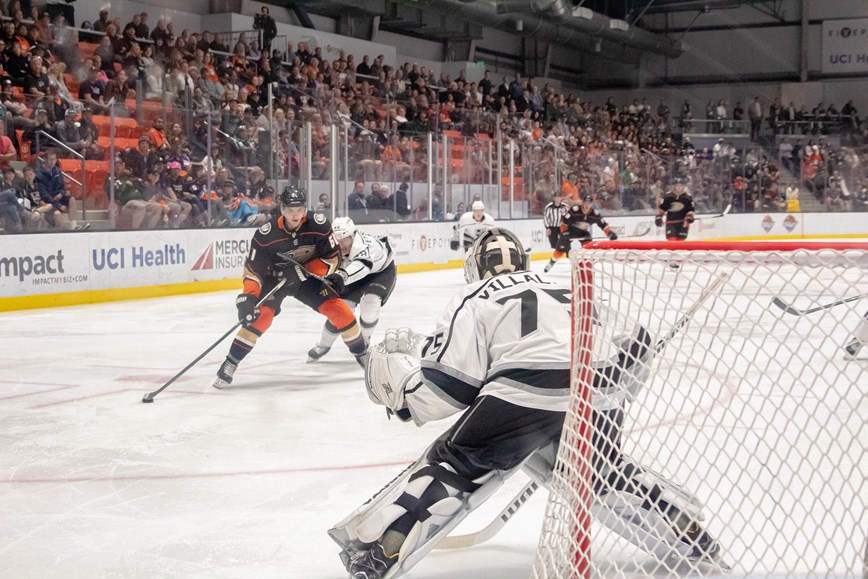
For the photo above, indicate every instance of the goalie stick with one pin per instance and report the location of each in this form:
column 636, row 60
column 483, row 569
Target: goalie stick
column 685, row 319
column 150, row 396
column 797, row 312
column 494, row 527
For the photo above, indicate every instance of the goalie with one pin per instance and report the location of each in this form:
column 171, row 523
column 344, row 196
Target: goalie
column 500, row 354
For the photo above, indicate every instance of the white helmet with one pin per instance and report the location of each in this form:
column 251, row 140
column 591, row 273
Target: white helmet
column 343, row 227
column 494, row 252
column 477, row 206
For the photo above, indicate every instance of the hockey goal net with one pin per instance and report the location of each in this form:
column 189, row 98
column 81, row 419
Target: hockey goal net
column 746, row 434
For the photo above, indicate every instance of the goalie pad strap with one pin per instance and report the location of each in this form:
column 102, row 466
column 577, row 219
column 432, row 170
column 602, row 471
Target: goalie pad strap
column 410, row 503
column 447, row 477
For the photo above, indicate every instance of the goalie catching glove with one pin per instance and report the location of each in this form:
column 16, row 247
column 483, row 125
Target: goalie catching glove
column 247, row 310
column 392, row 365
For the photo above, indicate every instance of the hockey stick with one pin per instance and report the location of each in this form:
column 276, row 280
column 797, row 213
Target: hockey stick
column 150, row 396
column 725, row 211
column 685, row 319
column 303, row 271
column 641, row 230
column 797, row 312
column 494, row 527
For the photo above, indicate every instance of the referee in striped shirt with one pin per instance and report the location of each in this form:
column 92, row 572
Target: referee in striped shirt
column 552, row 217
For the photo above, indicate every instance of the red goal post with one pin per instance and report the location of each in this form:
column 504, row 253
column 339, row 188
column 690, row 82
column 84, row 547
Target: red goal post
column 749, row 418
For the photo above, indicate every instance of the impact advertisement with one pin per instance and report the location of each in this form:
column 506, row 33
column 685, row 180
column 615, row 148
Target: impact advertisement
column 32, row 265
column 845, row 46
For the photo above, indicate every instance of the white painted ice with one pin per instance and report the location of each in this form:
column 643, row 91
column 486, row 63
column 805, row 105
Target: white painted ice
column 243, row 482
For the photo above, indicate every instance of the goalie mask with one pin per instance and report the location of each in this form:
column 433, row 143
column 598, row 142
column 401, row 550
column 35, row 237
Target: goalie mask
column 494, row 252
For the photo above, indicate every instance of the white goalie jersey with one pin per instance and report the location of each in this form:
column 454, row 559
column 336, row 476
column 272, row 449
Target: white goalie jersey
column 493, row 339
column 368, row 255
column 468, row 229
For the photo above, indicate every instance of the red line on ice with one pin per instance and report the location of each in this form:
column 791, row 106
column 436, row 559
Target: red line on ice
column 177, row 476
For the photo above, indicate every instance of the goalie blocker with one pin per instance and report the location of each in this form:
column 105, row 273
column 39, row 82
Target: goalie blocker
column 500, row 354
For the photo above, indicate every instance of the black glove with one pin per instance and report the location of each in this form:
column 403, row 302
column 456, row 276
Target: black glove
column 337, row 282
column 563, row 243
column 690, row 219
column 612, row 235
column 287, row 272
column 247, row 310
column 454, row 244
column 658, row 221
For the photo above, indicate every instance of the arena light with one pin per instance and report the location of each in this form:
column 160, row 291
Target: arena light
column 616, row 24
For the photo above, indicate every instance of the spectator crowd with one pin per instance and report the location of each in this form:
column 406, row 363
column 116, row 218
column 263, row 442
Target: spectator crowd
column 239, row 104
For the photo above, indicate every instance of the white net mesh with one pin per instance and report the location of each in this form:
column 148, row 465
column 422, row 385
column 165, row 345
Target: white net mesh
column 757, row 412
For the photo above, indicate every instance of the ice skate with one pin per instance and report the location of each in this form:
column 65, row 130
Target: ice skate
column 362, row 358
column 548, row 267
column 317, row 352
column 705, row 549
column 224, row 374
column 372, row 564
column 851, row 349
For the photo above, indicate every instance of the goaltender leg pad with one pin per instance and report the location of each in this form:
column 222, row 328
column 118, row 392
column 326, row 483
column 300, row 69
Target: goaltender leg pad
column 654, row 513
column 445, row 516
column 346, row 531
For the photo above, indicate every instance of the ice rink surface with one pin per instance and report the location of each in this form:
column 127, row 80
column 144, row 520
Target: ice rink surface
column 243, row 482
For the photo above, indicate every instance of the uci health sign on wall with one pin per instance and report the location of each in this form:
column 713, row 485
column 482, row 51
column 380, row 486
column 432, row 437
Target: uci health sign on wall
column 845, row 45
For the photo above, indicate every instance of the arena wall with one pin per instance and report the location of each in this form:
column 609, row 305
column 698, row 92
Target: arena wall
column 48, row 270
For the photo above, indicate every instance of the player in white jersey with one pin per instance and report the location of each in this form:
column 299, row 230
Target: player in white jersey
column 470, row 226
column 368, row 270
column 500, row 354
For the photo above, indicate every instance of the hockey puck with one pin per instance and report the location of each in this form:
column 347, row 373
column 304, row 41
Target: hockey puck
column 147, row 399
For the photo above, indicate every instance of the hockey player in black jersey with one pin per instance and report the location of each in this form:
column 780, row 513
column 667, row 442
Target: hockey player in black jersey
column 677, row 207
column 576, row 224
column 306, row 238
column 500, row 355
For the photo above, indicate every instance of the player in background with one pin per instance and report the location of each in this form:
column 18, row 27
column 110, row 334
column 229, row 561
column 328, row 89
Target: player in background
column 860, row 338
column 368, row 271
column 305, row 237
column 552, row 214
column 576, row 224
column 500, row 355
column 677, row 207
column 470, row 225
